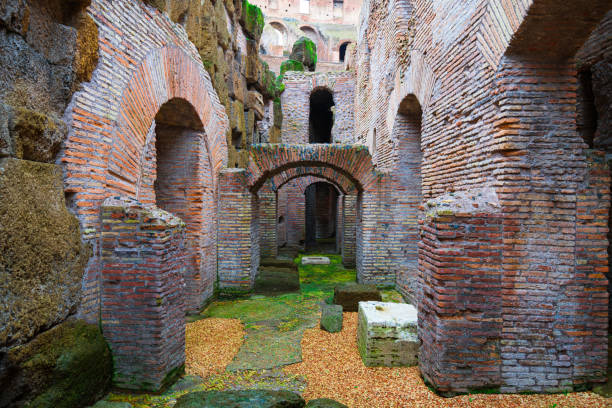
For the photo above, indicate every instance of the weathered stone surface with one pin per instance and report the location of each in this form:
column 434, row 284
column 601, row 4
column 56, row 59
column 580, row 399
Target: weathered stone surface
column 349, row 295
column 387, row 334
column 324, row 403
column 280, row 263
column 86, row 57
column 42, row 258
column 6, row 143
column 254, row 66
column 69, row 366
column 110, row 404
column 305, row 51
column 241, row 399
column 252, row 20
column 331, row 318
column 37, row 137
column 274, row 280
column 315, row 260
column 255, row 102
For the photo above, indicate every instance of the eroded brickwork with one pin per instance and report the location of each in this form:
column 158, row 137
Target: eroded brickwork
column 296, row 105
column 143, row 257
column 496, row 86
column 148, row 61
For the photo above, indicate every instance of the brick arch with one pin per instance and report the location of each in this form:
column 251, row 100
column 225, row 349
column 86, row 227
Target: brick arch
column 352, row 162
column 341, row 182
column 165, row 74
column 305, row 181
column 343, row 41
column 532, row 27
column 418, row 80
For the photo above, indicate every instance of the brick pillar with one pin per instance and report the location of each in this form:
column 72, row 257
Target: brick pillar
column 349, row 233
column 268, row 222
column 374, row 237
column 143, row 263
column 460, row 300
column 586, row 308
column 236, row 243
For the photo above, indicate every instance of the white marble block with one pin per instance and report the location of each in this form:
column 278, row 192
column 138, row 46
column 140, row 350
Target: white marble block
column 387, row 334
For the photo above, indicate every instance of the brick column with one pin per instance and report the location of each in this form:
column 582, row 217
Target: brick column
column 460, row 300
column 268, row 222
column 236, row 243
column 349, row 233
column 143, row 263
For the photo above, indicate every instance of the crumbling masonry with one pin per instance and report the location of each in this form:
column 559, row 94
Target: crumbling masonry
column 463, row 158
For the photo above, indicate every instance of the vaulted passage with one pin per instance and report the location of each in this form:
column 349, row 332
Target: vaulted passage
column 321, row 216
column 321, row 119
column 178, row 187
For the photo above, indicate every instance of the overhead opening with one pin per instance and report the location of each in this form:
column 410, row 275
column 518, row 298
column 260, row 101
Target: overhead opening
column 321, row 119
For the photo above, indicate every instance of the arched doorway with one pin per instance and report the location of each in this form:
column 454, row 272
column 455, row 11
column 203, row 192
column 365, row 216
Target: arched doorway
column 342, row 51
column 321, row 117
column 407, row 194
column 321, row 217
column 182, row 186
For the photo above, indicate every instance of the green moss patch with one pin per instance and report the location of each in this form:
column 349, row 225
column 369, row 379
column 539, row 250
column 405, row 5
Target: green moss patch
column 305, row 51
column 67, row 366
column 291, row 65
column 252, row 20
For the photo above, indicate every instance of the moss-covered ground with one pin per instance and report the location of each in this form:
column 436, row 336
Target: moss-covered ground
column 274, row 326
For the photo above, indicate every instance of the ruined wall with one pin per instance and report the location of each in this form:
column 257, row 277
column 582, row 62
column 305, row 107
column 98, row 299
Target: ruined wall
column 296, row 105
column 330, row 24
column 502, row 114
column 47, row 48
column 227, row 35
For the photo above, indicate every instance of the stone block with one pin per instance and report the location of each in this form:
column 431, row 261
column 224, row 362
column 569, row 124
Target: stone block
column 42, row 257
column 241, row 399
column 349, row 295
column 280, row 263
column 274, row 280
column 315, row 260
column 324, row 403
column 255, row 102
column 65, row 367
column 387, row 334
column 331, row 318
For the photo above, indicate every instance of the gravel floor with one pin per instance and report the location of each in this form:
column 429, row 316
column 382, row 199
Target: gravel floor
column 333, row 369
column 211, row 344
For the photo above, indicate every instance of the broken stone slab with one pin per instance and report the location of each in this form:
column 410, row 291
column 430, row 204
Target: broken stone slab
column 324, row 403
column 387, row 334
column 315, row 260
column 274, row 280
column 241, row 399
column 278, row 263
column 331, row 318
column 348, row 295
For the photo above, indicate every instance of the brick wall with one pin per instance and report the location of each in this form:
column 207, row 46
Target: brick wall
column 268, row 221
column 238, row 237
column 142, row 314
column 145, row 61
column 496, row 83
column 296, row 104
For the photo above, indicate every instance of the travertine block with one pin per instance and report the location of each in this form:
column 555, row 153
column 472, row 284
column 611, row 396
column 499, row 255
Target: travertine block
column 387, row 334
